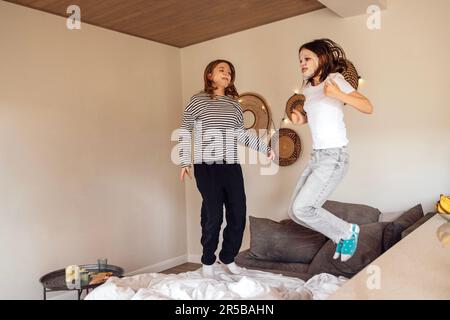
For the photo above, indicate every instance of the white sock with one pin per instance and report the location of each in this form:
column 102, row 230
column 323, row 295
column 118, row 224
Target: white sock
column 336, row 254
column 208, row 270
column 345, row 257
column 350, row 232
column 234, row 268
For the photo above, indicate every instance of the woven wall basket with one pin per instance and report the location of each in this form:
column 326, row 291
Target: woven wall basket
column 287, row 145
column 351, row 75
column 296, row 101
column 255, row 108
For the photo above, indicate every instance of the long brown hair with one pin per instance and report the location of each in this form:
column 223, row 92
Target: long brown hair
column 209, row 87
column 331, row 57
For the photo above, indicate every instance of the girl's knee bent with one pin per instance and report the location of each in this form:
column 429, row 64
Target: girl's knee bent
column 303, row 212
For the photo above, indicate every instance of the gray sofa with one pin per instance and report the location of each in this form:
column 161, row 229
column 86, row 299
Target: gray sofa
column 288, row 248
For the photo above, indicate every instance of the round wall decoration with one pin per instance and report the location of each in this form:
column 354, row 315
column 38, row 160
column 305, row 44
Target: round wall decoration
column 256, row 112
column 351, row 74
column 287, row 145
column 297, row 101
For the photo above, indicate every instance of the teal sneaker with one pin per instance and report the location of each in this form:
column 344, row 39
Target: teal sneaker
column 349, row 246
column 337, row 253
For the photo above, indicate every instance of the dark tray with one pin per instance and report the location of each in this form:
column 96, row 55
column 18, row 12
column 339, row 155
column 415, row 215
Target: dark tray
column 56, row 280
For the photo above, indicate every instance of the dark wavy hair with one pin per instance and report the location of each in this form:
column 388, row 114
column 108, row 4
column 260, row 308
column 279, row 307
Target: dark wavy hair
column 331, row 56
column 209, row 87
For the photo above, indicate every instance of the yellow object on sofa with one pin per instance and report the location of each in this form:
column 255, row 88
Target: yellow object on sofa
column 443, row 207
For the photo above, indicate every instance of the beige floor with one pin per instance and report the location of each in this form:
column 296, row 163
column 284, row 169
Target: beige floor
column 185, row 267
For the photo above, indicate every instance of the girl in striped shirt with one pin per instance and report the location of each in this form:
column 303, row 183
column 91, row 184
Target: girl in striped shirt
column 215, row 117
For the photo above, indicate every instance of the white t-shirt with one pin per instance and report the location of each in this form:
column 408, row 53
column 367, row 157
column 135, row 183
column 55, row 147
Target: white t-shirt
column 325, row 115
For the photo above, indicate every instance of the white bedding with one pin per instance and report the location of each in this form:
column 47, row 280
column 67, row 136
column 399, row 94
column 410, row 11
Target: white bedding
column 251, row 284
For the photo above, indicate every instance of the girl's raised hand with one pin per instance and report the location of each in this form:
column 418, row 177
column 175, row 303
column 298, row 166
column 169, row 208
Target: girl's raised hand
column 331, row 89
column 297, row 117
column 271, row 155
column 185, row 171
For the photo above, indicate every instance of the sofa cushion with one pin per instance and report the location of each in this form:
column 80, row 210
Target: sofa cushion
column 418, row 223
column 284, row 241
column 298, row 270
column 393, row 231
column 369, row 248
column 353, row 213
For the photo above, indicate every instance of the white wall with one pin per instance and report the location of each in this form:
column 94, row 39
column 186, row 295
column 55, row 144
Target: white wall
column 399, row 155
column 85, row 171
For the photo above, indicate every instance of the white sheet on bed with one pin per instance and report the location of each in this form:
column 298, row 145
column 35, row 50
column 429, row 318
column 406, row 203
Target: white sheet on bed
column 251, row 284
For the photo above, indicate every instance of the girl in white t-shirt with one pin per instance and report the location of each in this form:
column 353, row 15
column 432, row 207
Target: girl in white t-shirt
column 326, row 92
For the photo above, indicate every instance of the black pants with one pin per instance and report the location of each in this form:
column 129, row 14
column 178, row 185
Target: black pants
column 219, row 185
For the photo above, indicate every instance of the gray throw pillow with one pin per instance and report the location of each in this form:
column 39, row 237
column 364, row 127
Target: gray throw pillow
column 352, row 212
column 284, row 241
column 393, row 231
column 368, row 249
column 418, row 223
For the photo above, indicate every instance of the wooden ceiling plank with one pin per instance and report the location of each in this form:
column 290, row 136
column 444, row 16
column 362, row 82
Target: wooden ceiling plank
column 178, row 22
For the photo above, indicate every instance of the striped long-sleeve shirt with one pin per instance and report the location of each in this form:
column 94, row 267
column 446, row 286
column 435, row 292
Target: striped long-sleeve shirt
column 218, row 125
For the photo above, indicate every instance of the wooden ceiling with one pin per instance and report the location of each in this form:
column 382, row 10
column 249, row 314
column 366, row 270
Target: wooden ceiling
column 178, row 23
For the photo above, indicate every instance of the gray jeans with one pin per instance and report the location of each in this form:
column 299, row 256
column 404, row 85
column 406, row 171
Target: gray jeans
column 324, row 172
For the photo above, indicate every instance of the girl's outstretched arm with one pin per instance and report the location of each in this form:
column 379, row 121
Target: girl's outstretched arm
column 355, row 99
column 251, row 140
